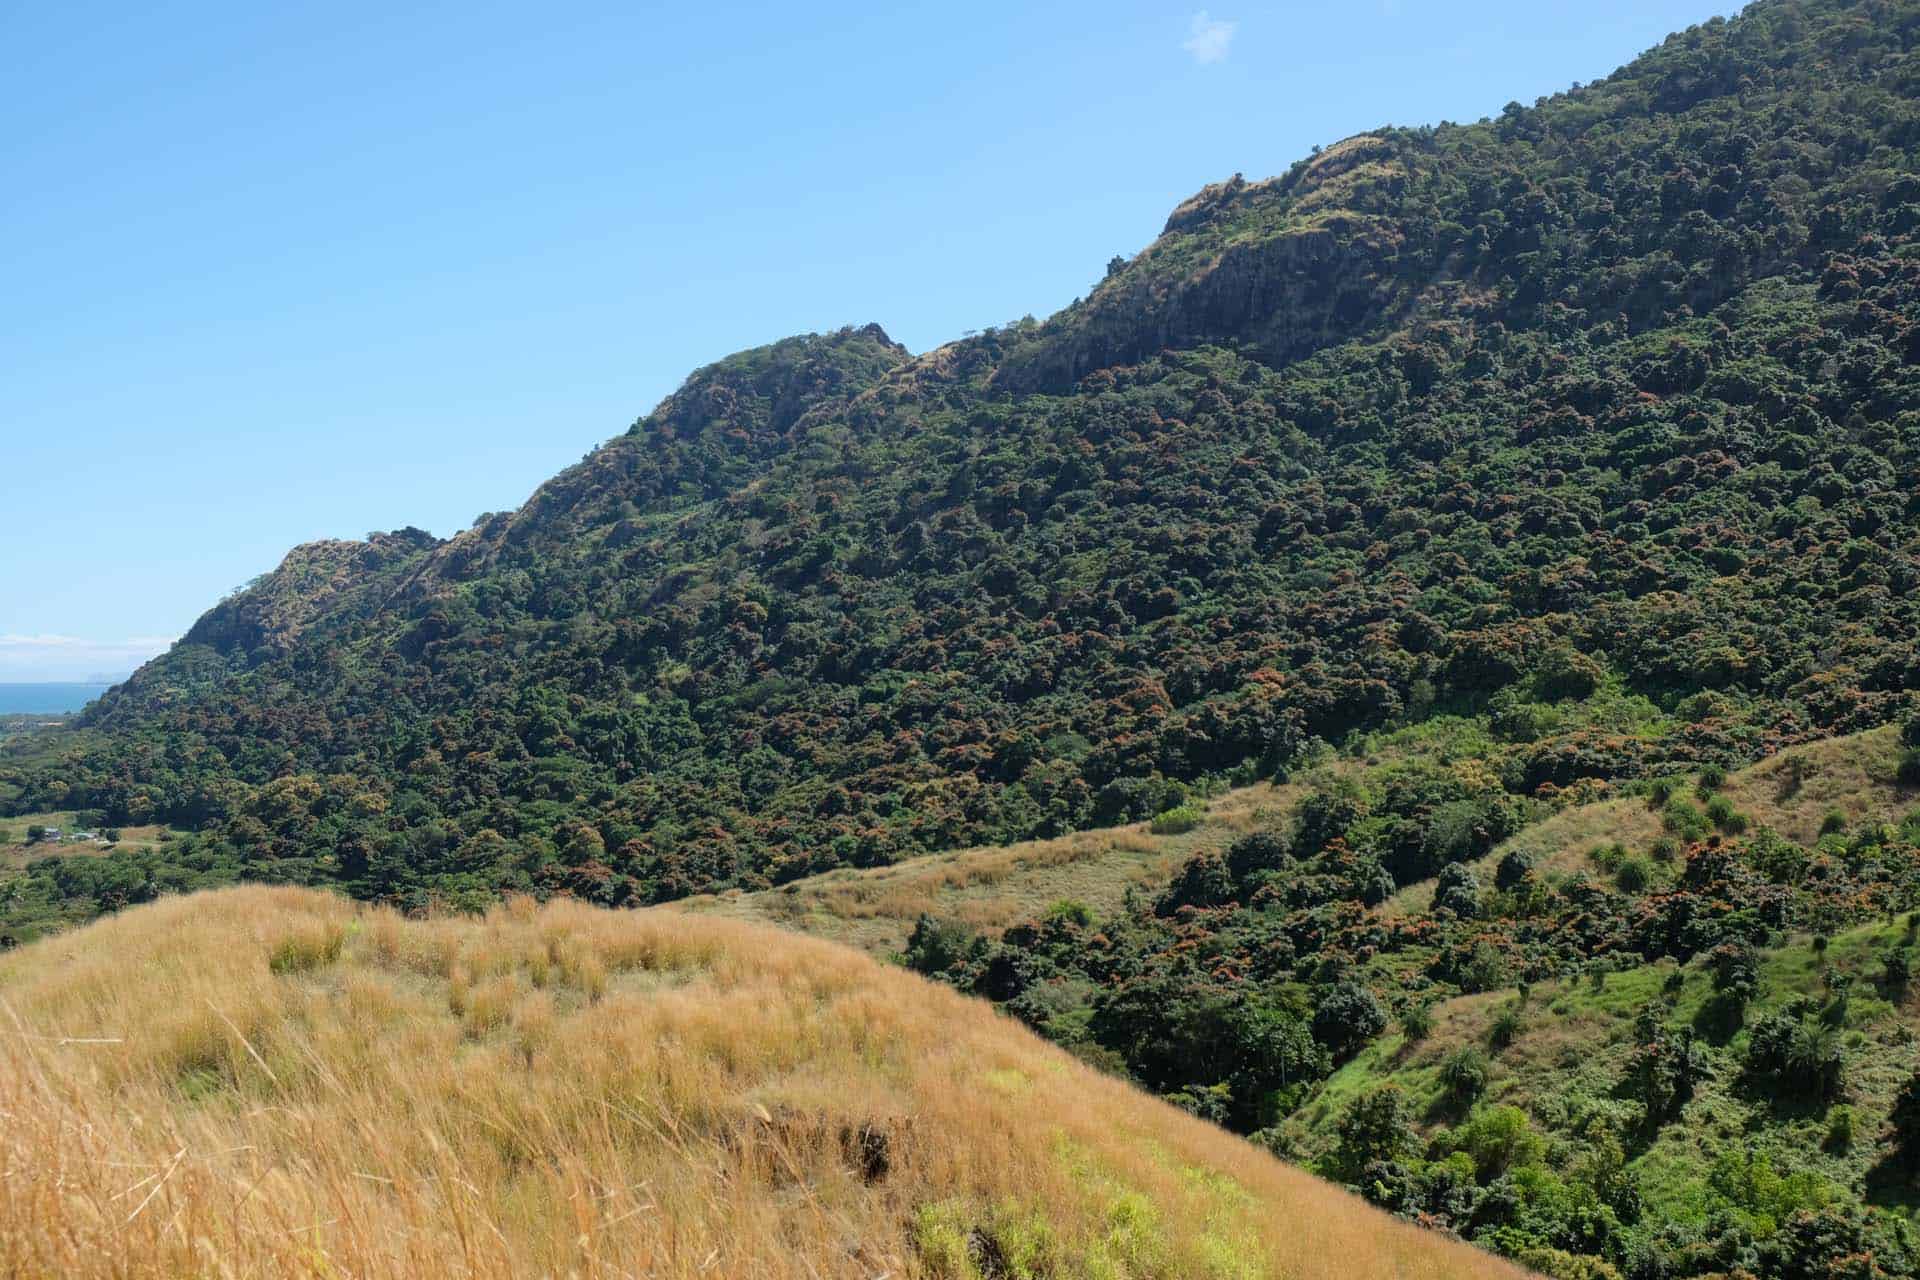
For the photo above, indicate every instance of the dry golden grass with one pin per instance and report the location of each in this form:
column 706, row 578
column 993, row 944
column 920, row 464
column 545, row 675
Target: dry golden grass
column 275, row 1082
column 1794, row 790
column 991, row 888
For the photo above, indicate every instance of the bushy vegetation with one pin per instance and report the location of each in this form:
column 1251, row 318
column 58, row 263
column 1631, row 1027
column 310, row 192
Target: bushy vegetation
column 1613, row 391
column 1243, row 989
column 1460, row 478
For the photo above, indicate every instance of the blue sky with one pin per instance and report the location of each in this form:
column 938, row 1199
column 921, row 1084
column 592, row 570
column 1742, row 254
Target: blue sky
column 276, row 272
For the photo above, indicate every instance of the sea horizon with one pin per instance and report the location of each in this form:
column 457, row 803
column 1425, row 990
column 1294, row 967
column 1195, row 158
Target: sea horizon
column 48, row 697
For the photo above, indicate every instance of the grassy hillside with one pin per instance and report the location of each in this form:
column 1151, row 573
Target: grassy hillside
column 1854, row 777
column 987, row 889
column 275, row 1082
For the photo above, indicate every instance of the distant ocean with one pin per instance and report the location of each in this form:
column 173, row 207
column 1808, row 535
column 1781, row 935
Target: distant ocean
column 46, row 699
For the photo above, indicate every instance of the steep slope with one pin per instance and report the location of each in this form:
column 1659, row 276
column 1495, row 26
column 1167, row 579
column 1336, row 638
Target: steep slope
column 1630, row 372
column 1641, row 1030
column 1756, row 1155
column 565, row 1090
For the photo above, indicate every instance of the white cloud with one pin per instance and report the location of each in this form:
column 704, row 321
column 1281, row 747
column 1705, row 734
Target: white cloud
column 1209, row 38
column 58, row 657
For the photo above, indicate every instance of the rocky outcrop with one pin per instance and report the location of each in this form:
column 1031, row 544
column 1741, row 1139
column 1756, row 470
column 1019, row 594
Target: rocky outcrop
column 266, row 617
column 1278, row 269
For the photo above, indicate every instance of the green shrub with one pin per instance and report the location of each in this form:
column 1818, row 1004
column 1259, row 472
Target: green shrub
column 1069, row 911
column 1377, row 1125
column 1416, row 1023
column 1722, row 814
column 1796, row 1053
column 1840, row 1128
column 1712, row 778
column 1833, row 823
column 1898, row 974
column 1904, row 1123
column 1558, row 1264
column 1505, row 1028
column 1346, row 1017
column 1464, row 1074
column 1513, row 870
column 1178, row 820
column 1909, row 770
column 935, row 946
column 1633, row 876
column 1665, row 849
column 1682, row 819
column 1498, row 1140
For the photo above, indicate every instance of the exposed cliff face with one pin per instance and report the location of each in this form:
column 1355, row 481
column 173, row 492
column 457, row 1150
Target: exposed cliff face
column 268, row 617
column 710, row 438
column 1278, row 268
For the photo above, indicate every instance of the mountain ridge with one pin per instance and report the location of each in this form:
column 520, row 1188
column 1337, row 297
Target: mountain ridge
column 830, row 604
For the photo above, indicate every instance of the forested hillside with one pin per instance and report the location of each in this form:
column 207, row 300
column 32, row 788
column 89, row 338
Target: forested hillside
column 1621, row 384
column 1529, row 511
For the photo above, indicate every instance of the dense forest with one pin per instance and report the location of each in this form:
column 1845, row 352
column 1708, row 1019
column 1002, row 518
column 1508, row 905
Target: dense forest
column 1594, row 428
column 1628, row 374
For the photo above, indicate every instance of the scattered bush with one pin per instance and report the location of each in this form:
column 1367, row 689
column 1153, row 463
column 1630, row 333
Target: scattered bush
column 1898, row 973
column 1904, row 1123
column 1257, row 852
column 1464, row 1074
column 1712, row 778
column 1722, row 814
column 1348, row 1016
column 1513, row 870
column 1458, row 891
column 1633, row 876
column 935, row 946
column 1416, row 1023
column 1840, row 1128
column 1683, row 820
column 1177, row 821
column 1202, row 882
column 1377, row 1125
column 1666, row 1066
column 1069, row 911
column 1505, row 1027
column 1498, row 1140
column 1796, row 1053
column 1833, row 823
